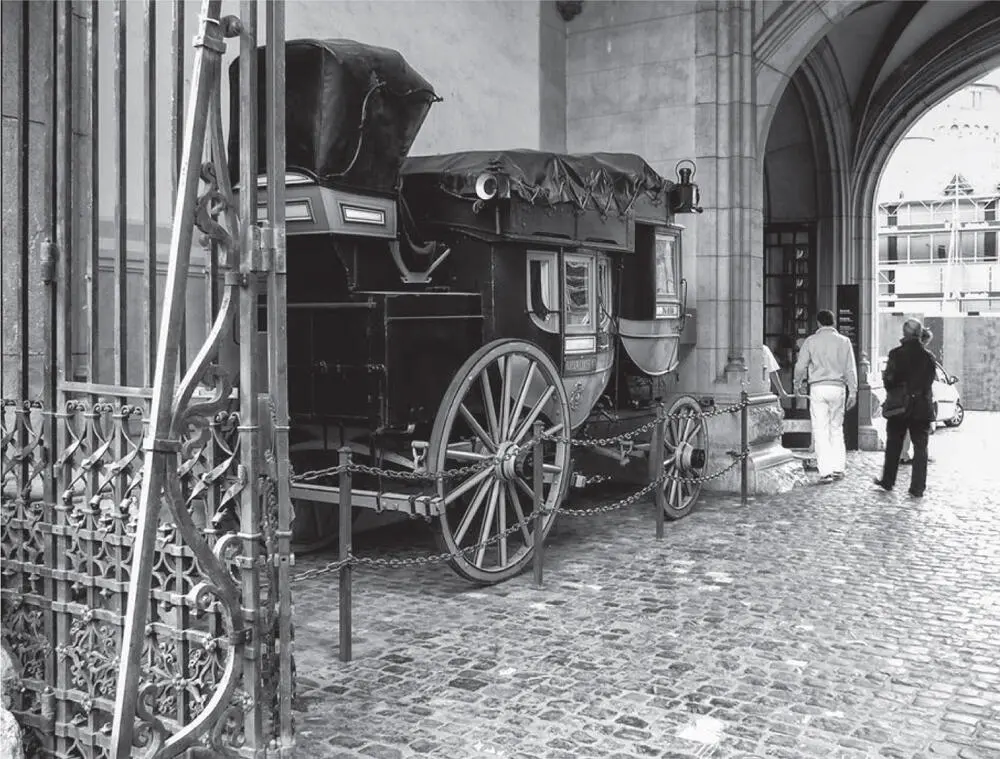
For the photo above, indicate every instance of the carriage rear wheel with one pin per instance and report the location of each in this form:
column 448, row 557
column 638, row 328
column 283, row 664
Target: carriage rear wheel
column 685, row 452
column 485, row 421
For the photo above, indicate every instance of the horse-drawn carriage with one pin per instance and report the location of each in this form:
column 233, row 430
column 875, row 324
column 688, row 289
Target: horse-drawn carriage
column 439, row 306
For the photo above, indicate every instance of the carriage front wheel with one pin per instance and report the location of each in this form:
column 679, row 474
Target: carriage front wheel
column 483, row 433
column 685, row 442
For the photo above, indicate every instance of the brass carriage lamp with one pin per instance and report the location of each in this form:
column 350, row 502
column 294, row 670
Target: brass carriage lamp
column 492, row 184
column 684, row 195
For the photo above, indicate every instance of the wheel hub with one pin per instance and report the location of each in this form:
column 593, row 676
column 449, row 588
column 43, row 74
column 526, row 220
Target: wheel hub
column 687, row 457
column 506, row 461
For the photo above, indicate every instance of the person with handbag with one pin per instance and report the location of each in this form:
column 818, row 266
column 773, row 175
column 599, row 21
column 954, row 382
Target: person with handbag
column 827, row 371
column 908, row 407
column 907, row 456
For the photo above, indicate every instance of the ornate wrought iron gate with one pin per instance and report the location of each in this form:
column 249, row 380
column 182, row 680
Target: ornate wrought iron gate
column 139, row 629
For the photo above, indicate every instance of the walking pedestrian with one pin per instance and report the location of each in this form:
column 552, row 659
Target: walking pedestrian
column 826, row 370
column 909, row 375
column 906, row 457
column 772, row 369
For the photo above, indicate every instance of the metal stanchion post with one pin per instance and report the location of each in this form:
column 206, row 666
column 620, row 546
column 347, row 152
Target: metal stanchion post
column 345, row 552
column 539, row 505
column 744, row 445
column 656, row 469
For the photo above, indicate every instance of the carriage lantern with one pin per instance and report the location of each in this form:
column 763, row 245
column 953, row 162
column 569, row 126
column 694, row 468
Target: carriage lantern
column 685, row 196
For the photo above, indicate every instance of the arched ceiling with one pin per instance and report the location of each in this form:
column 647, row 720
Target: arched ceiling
column 883, row 38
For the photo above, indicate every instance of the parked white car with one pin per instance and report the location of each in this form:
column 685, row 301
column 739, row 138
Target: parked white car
column 947, row 400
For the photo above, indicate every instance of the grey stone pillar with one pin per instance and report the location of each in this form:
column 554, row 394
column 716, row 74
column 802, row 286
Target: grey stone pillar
column 730, row 253
column 726, row 145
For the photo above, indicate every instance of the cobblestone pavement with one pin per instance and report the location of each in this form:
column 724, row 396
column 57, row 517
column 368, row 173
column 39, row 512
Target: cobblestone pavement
column 835, row 621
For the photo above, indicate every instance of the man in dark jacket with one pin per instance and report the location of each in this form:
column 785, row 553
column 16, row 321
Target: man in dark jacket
column 910, row 367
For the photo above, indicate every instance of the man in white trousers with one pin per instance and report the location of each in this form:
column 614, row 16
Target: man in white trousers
column 826, row 370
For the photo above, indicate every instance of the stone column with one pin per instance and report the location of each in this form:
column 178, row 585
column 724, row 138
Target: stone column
column 730, row 251
column 726, row 141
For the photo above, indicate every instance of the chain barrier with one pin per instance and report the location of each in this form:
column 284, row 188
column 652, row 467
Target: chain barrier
column 450, row 474
column 437, row 558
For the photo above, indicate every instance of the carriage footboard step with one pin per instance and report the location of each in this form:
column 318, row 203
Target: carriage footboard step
column 417, row 505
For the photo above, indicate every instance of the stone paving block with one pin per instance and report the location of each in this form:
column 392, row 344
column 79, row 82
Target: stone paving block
column 827, row 622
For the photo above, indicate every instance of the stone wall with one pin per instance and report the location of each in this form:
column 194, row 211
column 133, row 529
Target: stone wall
column 484, row 59
column 968, row 346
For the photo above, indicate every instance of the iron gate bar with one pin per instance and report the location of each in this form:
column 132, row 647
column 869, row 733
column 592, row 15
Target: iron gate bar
column 94, row 259
column 160, row 449
column 176, row 125
column 23, row 138
column 58, row 344
column 277, row 336
column 118, row 100
column 149, row 175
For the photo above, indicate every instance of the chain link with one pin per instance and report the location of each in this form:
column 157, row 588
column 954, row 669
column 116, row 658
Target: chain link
column 623, row 503
column 397, row 474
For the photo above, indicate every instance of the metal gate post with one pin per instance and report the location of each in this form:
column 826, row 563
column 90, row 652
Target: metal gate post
column 160, row 450
column 656, row 455
column 346, row 510
column 538, row 512
column 277, row 335
column 744, row 445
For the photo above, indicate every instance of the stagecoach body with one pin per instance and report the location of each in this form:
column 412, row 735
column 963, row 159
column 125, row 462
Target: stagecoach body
column 439, row 306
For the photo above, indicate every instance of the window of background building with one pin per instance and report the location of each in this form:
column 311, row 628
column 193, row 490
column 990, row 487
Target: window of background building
column 920, row 248
column 967, row 245
column 893, row 216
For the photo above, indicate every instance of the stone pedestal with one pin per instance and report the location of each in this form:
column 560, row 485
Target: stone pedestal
column 772, row 468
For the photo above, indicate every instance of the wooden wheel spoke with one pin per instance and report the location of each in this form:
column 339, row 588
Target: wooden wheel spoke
column 470, row 513
column 505, row 399
column 522, row 394
column 526, row 489
column 484, row 530
column 477, row 428
column 491, row 412
column 467, row 485
column 533, row 415
column 515, row 501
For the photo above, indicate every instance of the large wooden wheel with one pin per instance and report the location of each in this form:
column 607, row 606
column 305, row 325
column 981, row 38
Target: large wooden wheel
column 685, row 452
column 486, row 418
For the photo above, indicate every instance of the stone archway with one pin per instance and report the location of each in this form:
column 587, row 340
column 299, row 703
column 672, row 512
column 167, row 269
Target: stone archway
column 781, row 44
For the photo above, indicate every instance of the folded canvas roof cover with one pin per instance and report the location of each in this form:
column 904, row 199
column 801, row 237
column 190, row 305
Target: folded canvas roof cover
column 352, row 113
column 606, row 182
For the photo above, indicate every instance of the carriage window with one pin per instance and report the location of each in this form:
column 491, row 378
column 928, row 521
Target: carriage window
column 543, row 299
column 541, row 296
column 666, row 283
column 604, row 304
column 579, row 292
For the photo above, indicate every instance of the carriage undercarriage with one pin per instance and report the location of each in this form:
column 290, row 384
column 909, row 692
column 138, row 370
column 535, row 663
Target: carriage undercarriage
column 483, row 498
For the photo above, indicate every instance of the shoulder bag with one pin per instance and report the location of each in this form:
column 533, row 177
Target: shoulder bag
column 897, row 401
